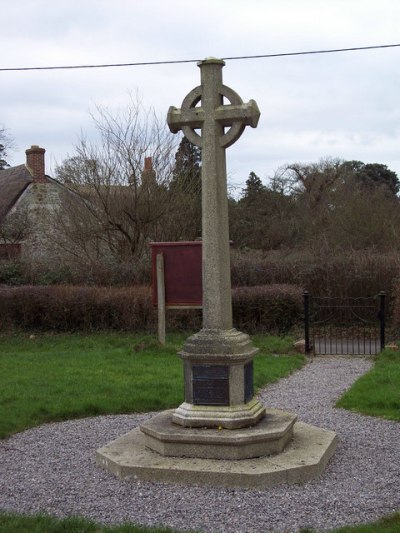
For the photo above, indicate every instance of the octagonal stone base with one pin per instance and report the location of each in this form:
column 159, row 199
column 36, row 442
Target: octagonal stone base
column 229, row 417
column 303, row 459
column 218, row 371
column 269, row 436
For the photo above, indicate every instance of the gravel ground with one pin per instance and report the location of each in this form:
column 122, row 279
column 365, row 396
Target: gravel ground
column 52, row 469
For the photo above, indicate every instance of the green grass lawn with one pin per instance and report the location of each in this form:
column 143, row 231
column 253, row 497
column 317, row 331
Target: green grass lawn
column 377, row 393
column 11, row 522
column 60, row 377
column 388, row 524
column 14, row 523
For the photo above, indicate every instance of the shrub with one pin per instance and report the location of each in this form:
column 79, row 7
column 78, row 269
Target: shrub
column 321, row 272
column 79, row 308
column 395, row 309
column 267, row 308
column 11, row 273
column 69, row 308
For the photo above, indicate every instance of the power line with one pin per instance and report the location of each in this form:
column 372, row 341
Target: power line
column 315, row 52
column 66, row 67
column 151, row 63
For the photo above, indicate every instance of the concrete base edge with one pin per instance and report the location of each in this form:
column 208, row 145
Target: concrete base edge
column 233, row 417
column 302, row 460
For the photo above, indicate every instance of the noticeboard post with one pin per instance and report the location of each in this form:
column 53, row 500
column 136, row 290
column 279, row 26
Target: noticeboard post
column 176, row 278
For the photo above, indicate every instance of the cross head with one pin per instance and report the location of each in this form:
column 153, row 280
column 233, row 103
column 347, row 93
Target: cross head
column 213, row 112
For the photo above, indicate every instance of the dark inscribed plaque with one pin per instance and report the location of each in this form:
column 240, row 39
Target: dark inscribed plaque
column 210, row 385
column 248, row 382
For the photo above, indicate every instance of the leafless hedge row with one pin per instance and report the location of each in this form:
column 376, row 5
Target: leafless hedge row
column 262, row 309
column 59, row 304
column 347, row 273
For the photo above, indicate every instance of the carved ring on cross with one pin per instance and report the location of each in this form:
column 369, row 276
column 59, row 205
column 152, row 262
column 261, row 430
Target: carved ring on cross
column 236, row 116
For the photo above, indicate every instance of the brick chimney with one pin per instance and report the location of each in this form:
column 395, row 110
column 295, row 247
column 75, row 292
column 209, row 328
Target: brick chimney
column 148, row 173
column 35, row 163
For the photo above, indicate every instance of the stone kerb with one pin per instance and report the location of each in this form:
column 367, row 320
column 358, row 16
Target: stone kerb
column 303, row 459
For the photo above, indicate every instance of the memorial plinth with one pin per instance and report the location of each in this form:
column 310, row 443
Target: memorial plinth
column 218, row 374
column 221, row 434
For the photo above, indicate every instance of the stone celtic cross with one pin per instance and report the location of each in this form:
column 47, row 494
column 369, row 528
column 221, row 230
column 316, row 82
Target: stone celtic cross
column 218, row 361
column 212, row 117
column 221, row 435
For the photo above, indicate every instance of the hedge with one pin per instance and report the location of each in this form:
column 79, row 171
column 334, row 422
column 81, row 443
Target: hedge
column 323, row 272
column 345, row 274
column 267, row 308
column 395, row 311
column 60, row 308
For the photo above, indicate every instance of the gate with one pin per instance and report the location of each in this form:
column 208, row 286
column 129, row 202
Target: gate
column 344, row 326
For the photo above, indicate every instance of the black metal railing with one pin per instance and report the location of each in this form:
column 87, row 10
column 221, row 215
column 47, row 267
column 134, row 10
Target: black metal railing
column 344, row 326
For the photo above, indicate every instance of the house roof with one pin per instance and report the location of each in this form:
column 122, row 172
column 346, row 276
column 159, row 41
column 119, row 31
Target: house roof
column 13, row 182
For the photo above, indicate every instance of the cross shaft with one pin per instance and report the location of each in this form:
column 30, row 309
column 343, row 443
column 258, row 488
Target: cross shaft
column 212, row 117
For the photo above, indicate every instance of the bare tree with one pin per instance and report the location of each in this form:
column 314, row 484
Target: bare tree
column 6, row 144
column 323, row 205
column 313, row 181
column 123, row 205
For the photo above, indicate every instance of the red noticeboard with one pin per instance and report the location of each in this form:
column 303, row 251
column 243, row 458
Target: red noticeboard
column 182, row 272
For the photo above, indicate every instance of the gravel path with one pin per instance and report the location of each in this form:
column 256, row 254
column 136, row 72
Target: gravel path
column 52, row 469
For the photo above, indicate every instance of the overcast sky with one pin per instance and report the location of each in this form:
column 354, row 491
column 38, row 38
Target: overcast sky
column 344, row 105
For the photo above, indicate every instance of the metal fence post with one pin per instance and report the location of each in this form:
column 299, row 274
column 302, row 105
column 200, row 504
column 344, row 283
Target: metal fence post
column 381, row 315
column 306, row 297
